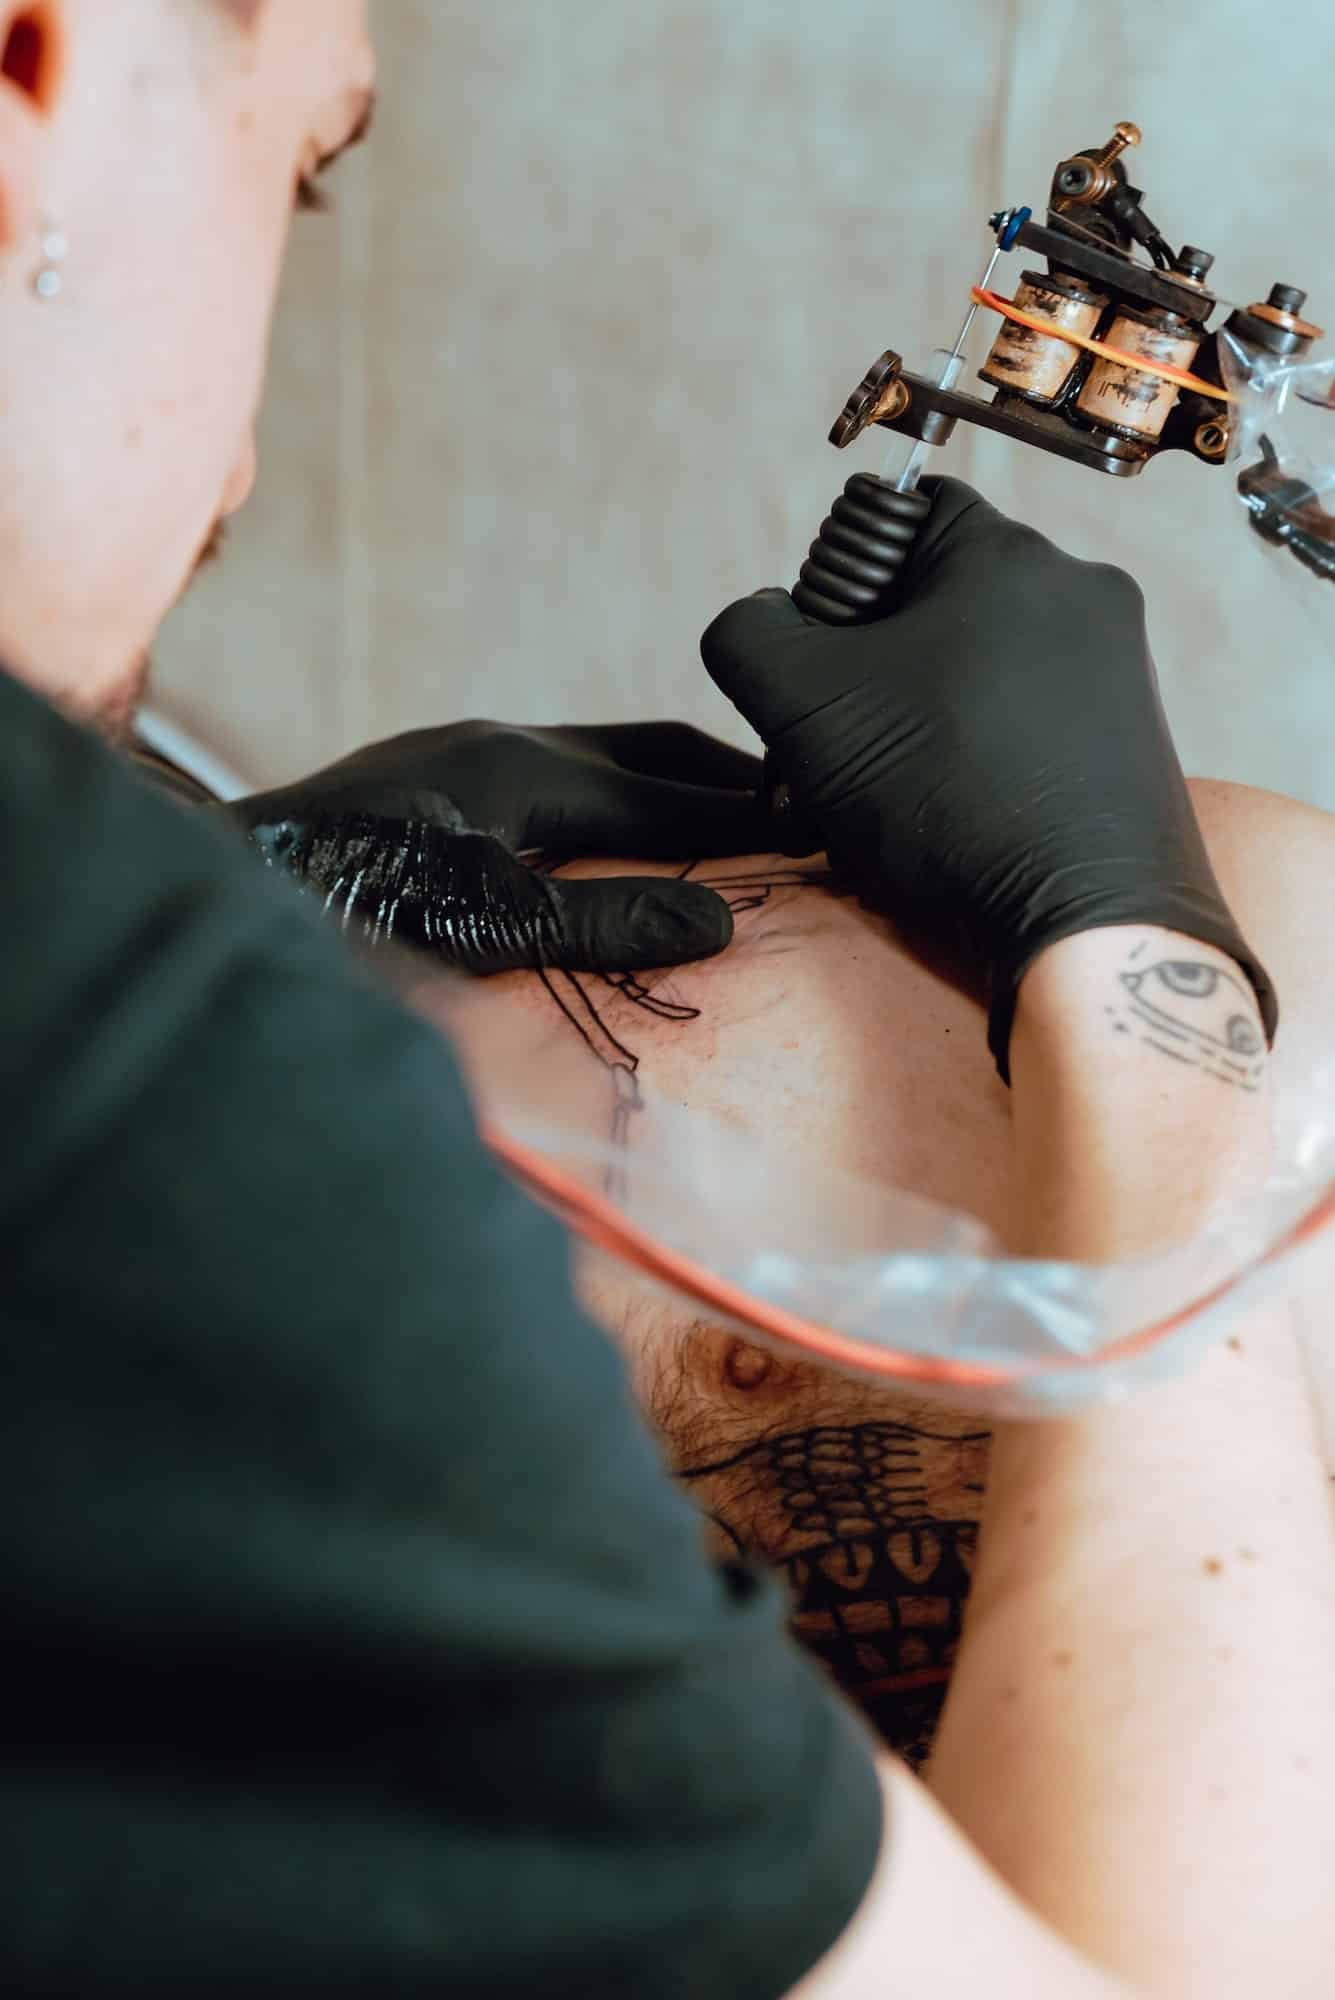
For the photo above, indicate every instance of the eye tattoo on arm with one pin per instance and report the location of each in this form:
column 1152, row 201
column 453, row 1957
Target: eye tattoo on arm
column 1193, row 1013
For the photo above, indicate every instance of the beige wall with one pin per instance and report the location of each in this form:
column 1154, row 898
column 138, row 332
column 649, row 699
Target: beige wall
column 553, row 384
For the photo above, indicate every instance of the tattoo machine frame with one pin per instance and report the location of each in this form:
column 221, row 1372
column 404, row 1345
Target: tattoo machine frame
column 1105, row 358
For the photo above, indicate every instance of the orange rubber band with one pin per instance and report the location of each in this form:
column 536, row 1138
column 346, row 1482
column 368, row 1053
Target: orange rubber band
column 1181, row 376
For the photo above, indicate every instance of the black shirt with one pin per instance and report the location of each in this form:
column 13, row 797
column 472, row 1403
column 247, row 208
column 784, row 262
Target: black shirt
column 357, row 1643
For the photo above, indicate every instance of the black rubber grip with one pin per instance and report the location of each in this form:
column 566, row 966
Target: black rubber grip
column 849, row 575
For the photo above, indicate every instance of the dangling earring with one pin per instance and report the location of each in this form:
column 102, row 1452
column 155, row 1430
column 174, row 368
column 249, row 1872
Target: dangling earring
column 50, row 280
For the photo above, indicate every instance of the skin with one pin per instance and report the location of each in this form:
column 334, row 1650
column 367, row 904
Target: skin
column 822, row 1040
column 165, row 139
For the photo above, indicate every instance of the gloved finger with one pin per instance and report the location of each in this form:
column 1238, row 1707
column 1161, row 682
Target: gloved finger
column 655, row 819
column 952, row 498
column 748, row 653
column 961, row 521
column 471, row 903
column 631, row 923
column 674, row 750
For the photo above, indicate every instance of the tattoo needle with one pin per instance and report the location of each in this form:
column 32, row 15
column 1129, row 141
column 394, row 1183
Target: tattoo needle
column 951, row 368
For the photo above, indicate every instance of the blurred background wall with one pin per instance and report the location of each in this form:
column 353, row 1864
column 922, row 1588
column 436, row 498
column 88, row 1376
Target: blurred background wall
column 552, row 383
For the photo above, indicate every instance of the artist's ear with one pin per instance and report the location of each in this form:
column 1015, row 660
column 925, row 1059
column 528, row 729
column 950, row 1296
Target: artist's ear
column 32, row 41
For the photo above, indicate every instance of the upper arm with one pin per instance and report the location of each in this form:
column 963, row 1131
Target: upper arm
column 939, row 1920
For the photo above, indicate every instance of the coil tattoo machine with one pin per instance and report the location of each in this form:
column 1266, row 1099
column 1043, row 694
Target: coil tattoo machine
column 1104, row 357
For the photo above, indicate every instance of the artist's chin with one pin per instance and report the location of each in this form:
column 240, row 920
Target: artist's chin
column 113, row 713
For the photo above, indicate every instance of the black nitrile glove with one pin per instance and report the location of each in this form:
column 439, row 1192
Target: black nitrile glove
column 992, row 762
column 418, row 839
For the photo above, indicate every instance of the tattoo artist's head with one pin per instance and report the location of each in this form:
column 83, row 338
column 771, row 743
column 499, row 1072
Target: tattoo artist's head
column 151, row 155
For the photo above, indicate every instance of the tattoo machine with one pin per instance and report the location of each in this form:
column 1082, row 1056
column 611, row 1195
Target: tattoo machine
column 1105, row 358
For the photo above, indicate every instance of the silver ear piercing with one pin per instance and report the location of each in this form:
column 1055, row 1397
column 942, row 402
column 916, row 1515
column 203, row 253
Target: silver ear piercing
column 50, row 280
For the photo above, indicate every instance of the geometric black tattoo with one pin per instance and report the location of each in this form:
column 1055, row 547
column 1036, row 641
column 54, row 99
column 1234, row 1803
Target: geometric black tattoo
column 878, row 1580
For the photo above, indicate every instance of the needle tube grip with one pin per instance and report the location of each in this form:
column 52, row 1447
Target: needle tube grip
column 850, row 572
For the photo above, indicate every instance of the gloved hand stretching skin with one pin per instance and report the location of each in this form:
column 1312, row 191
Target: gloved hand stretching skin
column 418, row 838
column 991, row 764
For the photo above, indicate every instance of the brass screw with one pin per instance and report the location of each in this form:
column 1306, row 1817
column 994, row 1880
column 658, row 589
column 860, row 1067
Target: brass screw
column 1211, row 438
column 1089, row 177
column 893, row 404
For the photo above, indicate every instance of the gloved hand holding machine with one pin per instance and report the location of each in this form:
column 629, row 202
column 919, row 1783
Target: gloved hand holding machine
column 1105, row 359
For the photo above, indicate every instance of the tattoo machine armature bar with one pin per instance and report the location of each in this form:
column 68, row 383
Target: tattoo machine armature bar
column 1104, row 355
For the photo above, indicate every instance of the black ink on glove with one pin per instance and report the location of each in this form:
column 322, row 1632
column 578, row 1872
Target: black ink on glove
column 418, row 839
column 991, row 761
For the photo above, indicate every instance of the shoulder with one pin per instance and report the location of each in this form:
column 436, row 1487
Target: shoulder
column 1275, row 859
column 1247, row 824
column 1239, row 815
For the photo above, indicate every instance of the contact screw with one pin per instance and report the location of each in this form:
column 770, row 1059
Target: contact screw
column 849, row 575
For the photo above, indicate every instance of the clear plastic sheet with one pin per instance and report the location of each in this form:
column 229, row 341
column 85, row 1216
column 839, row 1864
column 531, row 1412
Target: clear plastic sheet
column 867, row 1277
column 1283, row 448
